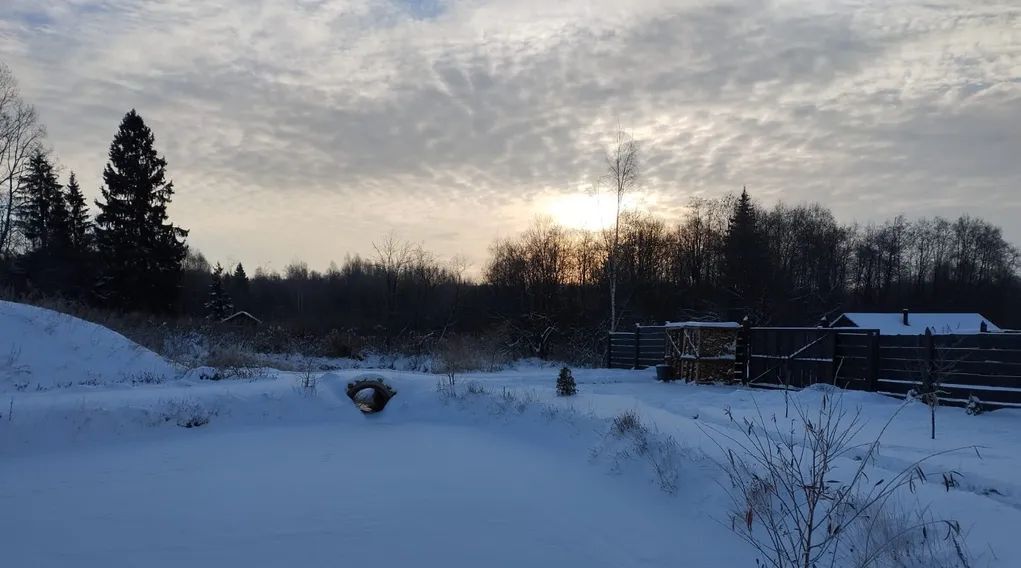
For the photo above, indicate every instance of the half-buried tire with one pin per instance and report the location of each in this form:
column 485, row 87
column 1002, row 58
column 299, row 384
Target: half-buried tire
column 370, row 394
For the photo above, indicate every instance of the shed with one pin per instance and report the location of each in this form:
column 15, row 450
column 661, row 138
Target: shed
column 702, row 351
column 911, row 323
column 242, row 319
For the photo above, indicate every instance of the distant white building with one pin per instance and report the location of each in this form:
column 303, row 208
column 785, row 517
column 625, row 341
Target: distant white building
column 911, row 323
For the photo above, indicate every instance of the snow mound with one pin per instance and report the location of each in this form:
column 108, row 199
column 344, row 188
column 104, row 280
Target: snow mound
column 42, row 349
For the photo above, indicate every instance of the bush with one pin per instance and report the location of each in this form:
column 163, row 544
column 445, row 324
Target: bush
column 628, row 440
column 789, row 504
column 974, row 406
column 186, row 413
column 626, row 423
column 565, row 383
column 456, row 355
column 341, row 344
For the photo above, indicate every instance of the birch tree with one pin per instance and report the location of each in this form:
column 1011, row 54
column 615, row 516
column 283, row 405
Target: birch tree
column 622, row 175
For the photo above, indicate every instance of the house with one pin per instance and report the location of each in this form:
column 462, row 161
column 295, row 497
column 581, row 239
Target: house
column 910, row 323
column 242, row 319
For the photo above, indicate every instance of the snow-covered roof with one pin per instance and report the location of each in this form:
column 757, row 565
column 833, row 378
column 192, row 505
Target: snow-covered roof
column 240, row 315
column 940, row 323
column 715, row 324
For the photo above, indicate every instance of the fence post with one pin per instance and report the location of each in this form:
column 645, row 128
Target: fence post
column 834, row 366
column 609, row 349
column 742, row 353
column 930, row 359
column 638, row 343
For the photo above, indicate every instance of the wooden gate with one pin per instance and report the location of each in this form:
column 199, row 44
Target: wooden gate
column 638, row 349
column 795, row 357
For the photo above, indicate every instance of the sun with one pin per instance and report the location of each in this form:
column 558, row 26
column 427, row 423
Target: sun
column 580, row 210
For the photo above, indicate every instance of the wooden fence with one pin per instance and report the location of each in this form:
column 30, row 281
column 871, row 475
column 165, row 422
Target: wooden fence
column 638, row 349
column 986, row 366
column 797, row 357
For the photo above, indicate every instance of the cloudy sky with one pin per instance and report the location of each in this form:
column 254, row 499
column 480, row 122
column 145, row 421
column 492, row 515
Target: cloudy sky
column 309, row 128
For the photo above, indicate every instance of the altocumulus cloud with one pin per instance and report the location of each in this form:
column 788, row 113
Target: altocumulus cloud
column 308, row 128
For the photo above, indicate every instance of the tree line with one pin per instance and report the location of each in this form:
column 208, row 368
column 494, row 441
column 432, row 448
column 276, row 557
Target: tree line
column 728, row 258
column 547, row 288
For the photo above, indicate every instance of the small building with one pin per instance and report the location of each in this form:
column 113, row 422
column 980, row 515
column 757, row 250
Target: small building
column 702, row 351
column 241, row 319
column 910, row 323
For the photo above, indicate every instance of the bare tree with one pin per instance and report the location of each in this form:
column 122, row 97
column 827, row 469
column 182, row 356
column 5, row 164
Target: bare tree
column 936, row 366
column 393, row 257
column 20, row 135
column 622, row 174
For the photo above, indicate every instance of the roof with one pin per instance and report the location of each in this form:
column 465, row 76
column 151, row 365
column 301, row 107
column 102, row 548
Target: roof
column 713, row 324
column 240, row 315
column 940, row 323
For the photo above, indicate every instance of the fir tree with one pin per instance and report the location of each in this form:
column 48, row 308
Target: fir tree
column 746, row 253
column 42, row 213
column 79, row 225
column 565, row 383
column 238, row 287
column 219, row 305
column 43, row 221
column 240, row 277
column 140, row 251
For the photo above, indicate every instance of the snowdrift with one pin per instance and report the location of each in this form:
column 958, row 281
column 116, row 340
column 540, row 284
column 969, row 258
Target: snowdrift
column 42, row 349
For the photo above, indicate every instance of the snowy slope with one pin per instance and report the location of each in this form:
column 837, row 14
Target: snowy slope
column 43, row 349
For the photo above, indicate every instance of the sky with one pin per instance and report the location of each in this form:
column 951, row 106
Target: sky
column 309, row 129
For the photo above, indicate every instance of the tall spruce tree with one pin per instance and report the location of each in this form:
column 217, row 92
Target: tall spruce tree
column 43, row 221
column 79, row 224
column 219, row 305
column 238, row 288
column 747, row 260
column 140, row 251
column 42, row 212
column 81, row 268
column 240, row 277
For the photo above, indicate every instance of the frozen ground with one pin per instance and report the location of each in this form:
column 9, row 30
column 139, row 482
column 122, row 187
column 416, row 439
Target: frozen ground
column 42, row 349
column 109, row 474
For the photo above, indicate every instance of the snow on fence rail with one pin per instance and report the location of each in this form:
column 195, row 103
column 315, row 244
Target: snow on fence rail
column 986, row 366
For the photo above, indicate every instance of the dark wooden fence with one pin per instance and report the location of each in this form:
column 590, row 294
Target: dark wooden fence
column 986, row 366
column 638, row 349
column 800, row 356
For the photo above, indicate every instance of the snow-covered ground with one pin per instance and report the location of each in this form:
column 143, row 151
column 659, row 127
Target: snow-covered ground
column 42, row 349
column 263, row 473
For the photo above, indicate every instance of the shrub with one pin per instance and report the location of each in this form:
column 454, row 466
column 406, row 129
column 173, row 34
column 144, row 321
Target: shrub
column 974, row 406
column 630, row 440
column 789, row 504
column 186, row 413
column 626, row 423
column 342, row 344
column 565, row 383
column 455, row 355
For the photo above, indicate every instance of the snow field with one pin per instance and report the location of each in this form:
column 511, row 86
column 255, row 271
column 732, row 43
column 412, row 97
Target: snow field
column 496, row 472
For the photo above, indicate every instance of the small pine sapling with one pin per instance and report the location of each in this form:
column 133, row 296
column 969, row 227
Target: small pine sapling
column 974, row 406
column 565, row 383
